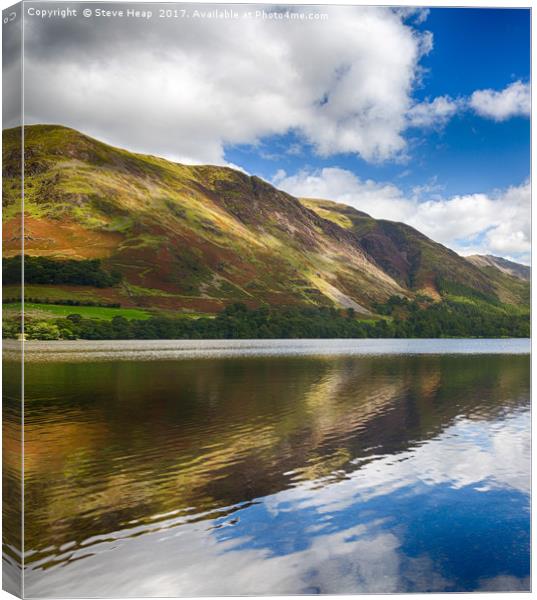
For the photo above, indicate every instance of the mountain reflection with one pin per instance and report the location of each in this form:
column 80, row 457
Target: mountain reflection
column 335, row 474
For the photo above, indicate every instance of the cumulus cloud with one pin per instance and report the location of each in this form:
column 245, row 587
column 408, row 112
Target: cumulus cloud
column 381, row 200
column 513, row 101
column 496, row 223
column 186, row 89
column 436, row 112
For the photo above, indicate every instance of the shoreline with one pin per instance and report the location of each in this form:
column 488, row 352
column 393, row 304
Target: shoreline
column 151, row 350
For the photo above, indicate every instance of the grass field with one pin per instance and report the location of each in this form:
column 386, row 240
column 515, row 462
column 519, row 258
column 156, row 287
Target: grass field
column 90, row 312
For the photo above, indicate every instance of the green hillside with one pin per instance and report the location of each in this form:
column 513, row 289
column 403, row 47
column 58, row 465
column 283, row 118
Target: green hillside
column 178, row 240
column 420, row 264
column 183, row 237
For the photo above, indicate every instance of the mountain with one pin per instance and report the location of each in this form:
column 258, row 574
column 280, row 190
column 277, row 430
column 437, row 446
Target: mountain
column 199, row 238
column 419, row 264
column 505, row 266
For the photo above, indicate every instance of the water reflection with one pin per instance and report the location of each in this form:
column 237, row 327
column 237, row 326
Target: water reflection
column 11, row 470
column 277, row 475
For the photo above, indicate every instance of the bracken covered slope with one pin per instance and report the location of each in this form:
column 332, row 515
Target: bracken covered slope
column 421, row 265
column 197, row 238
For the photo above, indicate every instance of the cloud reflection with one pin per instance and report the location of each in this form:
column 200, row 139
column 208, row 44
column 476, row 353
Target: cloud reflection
column 393, row 524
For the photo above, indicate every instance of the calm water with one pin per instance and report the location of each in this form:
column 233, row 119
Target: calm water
column 247, row 472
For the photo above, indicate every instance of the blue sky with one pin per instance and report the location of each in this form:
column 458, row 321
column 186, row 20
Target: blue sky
column 473, row 49
column 414, row 115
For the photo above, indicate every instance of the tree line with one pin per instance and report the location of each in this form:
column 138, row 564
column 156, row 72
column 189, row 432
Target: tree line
column 404, row 319
column 43, row 270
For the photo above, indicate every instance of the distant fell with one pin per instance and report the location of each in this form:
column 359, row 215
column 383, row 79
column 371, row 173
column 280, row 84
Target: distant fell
column 505, row 266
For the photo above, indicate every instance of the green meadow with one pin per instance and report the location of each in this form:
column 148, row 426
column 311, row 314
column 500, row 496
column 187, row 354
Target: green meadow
column 89, row 312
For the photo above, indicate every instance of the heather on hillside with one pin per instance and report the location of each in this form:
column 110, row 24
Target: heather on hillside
column 109, row 228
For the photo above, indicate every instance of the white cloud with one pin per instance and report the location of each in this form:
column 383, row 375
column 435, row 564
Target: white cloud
column 496, row 224
column 186, row 90
column 513, row 101
column 381, row 200
column 416, row 14
column 513, row 232
column 474, row 223
column 436, row 112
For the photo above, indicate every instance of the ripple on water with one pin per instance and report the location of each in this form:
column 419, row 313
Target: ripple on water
column 343, row 473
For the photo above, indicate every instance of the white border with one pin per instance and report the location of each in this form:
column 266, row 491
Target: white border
column 444, row 3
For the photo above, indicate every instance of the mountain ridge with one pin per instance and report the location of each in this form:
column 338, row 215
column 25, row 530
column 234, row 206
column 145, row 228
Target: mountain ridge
column 502, row 264
column 198, row 238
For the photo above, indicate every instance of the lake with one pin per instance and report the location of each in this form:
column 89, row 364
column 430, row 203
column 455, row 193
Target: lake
column 276, row 467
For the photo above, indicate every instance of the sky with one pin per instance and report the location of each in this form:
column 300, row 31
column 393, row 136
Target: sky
column 414, row 115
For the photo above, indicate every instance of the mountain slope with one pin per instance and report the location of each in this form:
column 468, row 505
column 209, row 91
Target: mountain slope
column 198, row 238
column 417, row 262
column 505, row 266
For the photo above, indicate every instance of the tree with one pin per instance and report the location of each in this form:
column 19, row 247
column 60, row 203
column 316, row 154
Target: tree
column 42, row 331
